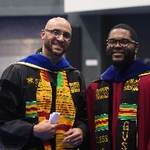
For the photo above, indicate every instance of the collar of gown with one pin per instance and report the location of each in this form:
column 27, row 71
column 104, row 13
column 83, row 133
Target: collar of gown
column 115, row 75
column 44, row 62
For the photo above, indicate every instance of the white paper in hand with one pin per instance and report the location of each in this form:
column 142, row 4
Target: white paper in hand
column 54, row 117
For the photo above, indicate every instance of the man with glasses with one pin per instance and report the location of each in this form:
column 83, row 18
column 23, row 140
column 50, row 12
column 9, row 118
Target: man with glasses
column 35, row 87
column 118, row 103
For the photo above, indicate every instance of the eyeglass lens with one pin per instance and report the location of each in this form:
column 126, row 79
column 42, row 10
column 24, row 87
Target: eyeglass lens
column 122, row 42
column 58, row 33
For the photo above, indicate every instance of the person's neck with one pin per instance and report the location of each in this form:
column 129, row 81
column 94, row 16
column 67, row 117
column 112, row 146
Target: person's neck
column 123, row 66
column 52, row 58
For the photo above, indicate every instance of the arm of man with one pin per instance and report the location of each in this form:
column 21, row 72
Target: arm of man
column 14, row 130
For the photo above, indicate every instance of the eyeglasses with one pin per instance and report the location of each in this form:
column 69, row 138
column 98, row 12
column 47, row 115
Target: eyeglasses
column 57, row 33
column 122, row 42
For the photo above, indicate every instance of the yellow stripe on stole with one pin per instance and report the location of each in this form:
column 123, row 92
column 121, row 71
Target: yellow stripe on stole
column 44, row 100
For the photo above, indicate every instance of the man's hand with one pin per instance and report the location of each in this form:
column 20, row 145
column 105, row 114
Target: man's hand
column 73, row 137
column 44, row 130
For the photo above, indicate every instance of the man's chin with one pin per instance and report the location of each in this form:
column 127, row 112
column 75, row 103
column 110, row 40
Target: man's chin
column 118, row 61
column 121, row 64
column 58, row 53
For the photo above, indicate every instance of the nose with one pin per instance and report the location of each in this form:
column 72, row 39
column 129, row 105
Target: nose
column 60, row 37
column 118, row 43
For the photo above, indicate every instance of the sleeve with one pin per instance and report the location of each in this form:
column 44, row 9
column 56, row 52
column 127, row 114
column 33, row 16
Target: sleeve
column 14, row 130
column 90, row 101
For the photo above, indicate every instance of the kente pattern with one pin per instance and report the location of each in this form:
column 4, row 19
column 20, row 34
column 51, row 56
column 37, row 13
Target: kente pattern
column 101, row 122
column 127, row 112
column 64, row 105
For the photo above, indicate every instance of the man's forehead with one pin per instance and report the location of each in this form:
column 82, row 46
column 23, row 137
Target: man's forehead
column 57, row 22
column 118, row 31
column 53, row 20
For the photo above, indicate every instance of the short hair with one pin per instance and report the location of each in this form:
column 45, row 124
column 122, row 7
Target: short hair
column 126, row 27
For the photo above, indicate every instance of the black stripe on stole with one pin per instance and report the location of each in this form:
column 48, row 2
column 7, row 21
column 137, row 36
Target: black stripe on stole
column 103, row 111
column 126, row 126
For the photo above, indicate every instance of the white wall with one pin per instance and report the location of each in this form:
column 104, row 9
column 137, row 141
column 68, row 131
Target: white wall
column 89, row 5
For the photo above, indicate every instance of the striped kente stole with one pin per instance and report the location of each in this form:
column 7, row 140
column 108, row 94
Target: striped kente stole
column 126, row 123
column 64, row 105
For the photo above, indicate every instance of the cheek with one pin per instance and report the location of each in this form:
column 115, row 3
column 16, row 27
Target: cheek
column 130, row 52
column 108, row 50
column 67, row 45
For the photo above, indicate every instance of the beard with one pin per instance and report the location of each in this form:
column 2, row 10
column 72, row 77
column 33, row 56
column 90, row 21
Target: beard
column 49, row 48
column 128, row 59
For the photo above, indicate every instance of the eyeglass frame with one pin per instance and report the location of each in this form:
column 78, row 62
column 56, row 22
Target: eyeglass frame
column 60, row 33
column 116, row 41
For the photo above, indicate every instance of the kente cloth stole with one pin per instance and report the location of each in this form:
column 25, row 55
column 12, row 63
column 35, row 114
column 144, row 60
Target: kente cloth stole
column 126, row 122
column 64, row 105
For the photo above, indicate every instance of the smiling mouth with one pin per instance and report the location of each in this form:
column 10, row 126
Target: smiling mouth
column 58, row 46
column 118, row 53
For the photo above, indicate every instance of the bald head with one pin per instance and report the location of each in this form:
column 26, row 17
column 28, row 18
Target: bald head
column 58, row 21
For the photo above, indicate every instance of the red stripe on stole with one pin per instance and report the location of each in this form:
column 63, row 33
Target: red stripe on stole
column 128, row 111
column 42, row 113
column 64, row 127
column 45, row 75
column 31, row 108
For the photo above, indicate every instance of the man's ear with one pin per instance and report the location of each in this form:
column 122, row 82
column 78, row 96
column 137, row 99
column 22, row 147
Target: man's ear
column 42, row 33
column 136, row 47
